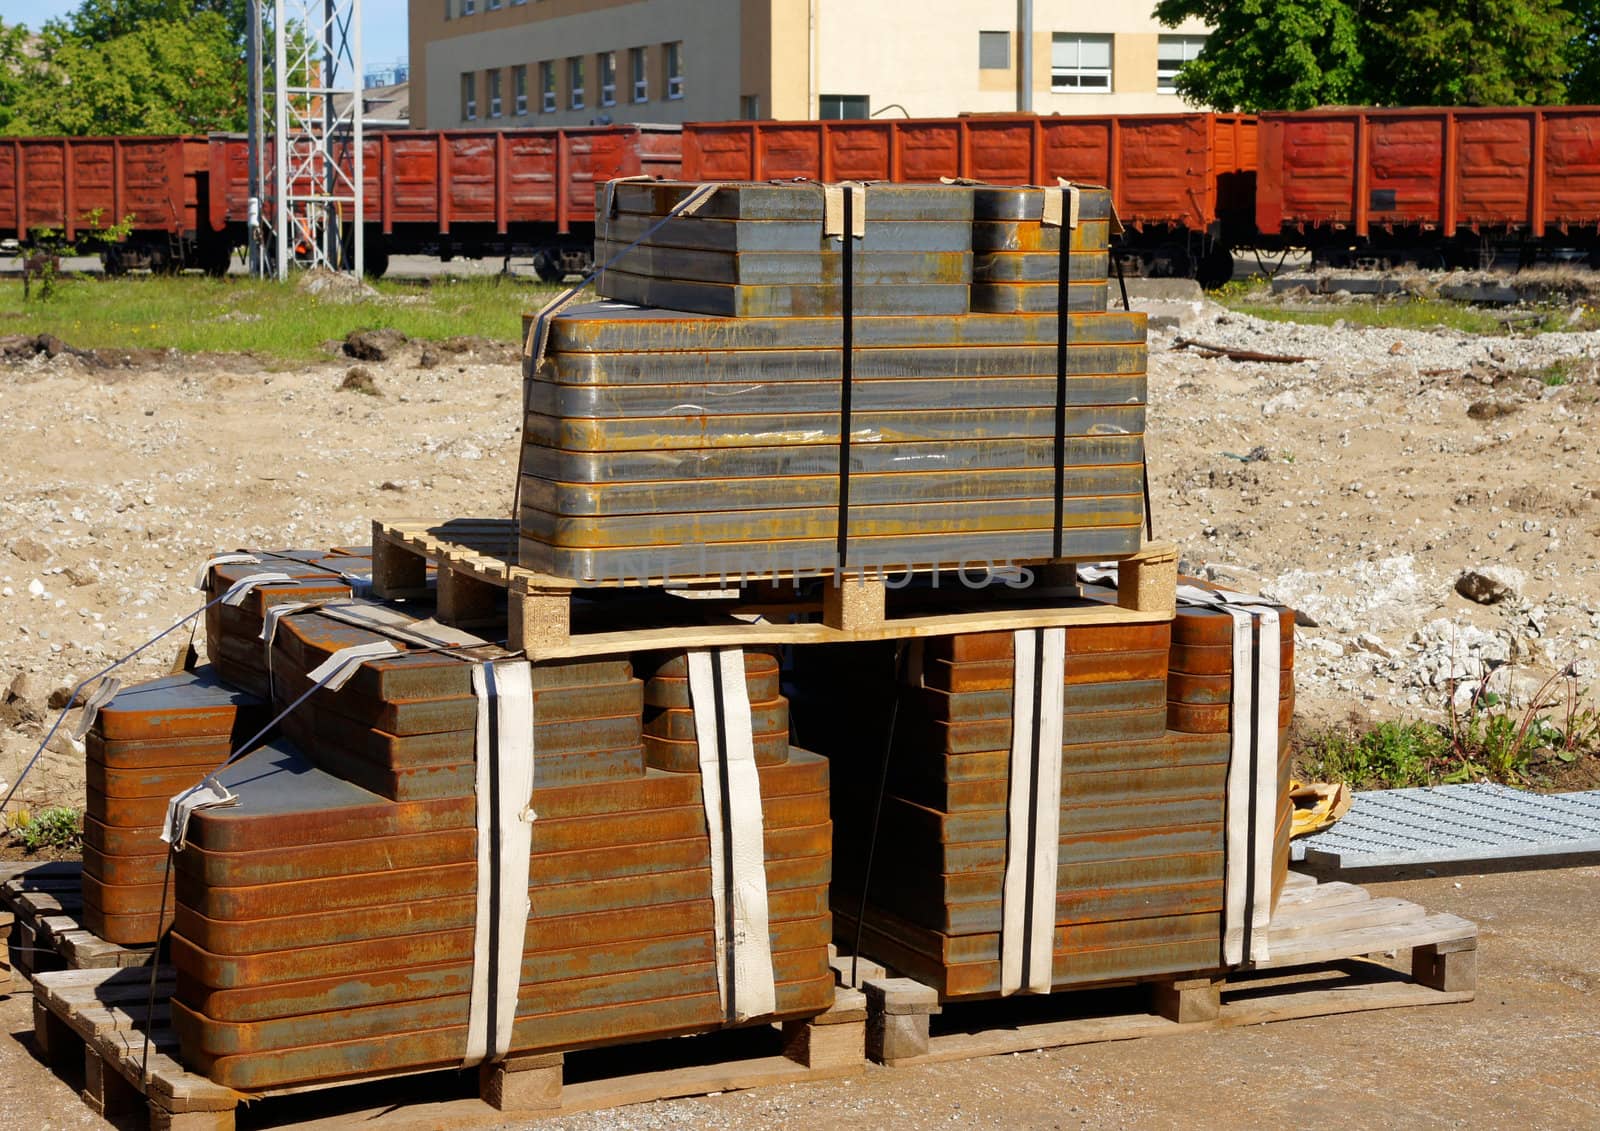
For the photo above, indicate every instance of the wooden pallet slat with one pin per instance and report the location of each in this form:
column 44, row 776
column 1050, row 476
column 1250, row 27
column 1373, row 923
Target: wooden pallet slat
column 474, row 562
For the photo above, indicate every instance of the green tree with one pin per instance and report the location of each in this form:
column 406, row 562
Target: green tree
column 1296, row 54
column 162, row 77
column 1273, row 54
column 1583, row 53
column 15, row 63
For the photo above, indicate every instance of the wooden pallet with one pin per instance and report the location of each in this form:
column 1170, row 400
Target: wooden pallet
column 46, row 903
column 100, row 1017
column 556, row 618
column 1317, row 941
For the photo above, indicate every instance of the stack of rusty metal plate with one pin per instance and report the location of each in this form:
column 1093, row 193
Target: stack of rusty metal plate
column 404, row 726
column 323, row 932
column 759, row 250
column 1139, row 881
column 233, row 630
column 1017, row 258
column 1200, row 694
column 661, row 444
column 670, row 737
column 149, row 743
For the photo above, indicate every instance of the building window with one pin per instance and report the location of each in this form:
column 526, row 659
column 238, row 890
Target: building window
column 469, row 97
column 494, row 93
column 749, row 107
column 1172, row 52
column 607, row 65
column 675, row 69
column 575, row 83
column 994, row 50
column 492, row 4
column 836, row 107
column 547, row 88
column 519, row 89
column 1080, row 63
column 638, row 66
column 468, row 7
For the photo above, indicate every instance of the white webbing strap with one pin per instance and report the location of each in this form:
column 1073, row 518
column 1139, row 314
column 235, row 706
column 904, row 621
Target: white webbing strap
column 1033, row 816
column 209, row 794
column 103, row 694
column 334, row 672
column 1060, row 209
column 221, row 559
column 731, row 789
column 245, row 586
column 505, row 754
column 1252, row 789
column 833, row 210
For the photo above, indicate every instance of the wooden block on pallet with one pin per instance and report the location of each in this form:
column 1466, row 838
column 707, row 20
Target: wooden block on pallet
column 897, row 1018
column 863, row 968
column 1451, row 966
column 1148, row 582
column 537, row 619
column 1188, row 1000
column 397, row 570
column 850, row 604
column 463, row 598
column 105, row 1090
column 522, row 1083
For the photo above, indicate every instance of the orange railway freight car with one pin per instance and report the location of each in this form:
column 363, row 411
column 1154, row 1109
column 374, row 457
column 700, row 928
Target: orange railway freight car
column 1183, row 183
column 475, row 193
column 154, row 186
column 1434, row 186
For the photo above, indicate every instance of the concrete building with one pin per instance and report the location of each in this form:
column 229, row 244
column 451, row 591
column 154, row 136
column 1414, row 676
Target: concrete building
column 498, row 63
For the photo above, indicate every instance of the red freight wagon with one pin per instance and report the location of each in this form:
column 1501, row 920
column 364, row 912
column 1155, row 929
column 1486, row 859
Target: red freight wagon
column 1183, row 183
column 74, row 185
column 476, row 193
column 1431, row 185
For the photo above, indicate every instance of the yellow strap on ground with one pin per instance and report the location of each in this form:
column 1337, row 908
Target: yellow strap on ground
column 1317, row 805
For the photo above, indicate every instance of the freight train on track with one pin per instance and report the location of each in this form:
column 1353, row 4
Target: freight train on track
column 1354, row 187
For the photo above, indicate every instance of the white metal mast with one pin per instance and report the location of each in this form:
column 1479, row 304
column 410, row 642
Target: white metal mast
column 317, row 211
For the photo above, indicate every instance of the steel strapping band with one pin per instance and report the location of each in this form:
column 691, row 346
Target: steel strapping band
column 846, row 377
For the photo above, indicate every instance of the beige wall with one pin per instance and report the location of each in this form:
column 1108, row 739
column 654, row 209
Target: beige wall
column 919, row 54
column 923, row 55
column 556, row 30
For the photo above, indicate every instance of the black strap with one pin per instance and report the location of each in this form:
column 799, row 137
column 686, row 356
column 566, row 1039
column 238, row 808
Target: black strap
column 491, row 688
column 1121, row 282
column 719, row 708
column 847, row 295
column 1034, row 768
column 1063, row 333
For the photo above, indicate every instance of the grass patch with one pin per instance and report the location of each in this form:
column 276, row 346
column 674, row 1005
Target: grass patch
column 196, row 314
column 59, row 827
column 1538, row 742
column 1420, row 314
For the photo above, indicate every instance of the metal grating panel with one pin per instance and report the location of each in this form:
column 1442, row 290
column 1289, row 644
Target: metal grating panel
column 1453, row 824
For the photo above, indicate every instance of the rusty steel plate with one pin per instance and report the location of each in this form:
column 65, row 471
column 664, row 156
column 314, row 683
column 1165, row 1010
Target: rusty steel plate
column 673, row 691
column 1091, row 237
column 186, row 705
column 1015, row 298
column 927, row 300
column 807, row 429
column 987, row 706
column 742, row 236
column 610, row 470
column 1037, row 267
column 676, row 724
column 1097, row 352
column 613, row 328
column 1026, row 202
column 1213, row 626
column 682, row 756
column 1211, row 689
column 893, row 553
column 125, row 870
column 1217, row 659
column 119, row 840
column 950, row 738
column 1214, row 719
column 1116, row 379
column 444, row 1047
column 992, row 647
column 821, row 267
column 766, row 200
column 1000, row 675
column 124, row 755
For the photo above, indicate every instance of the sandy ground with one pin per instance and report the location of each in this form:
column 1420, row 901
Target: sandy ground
column 1520, row 1057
